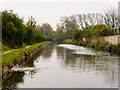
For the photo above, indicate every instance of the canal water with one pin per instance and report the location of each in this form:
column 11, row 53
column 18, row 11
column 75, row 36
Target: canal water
column 67, row 66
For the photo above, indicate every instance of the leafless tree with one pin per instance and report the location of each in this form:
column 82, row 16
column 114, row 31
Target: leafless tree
column 68, row 24
column 111, row 18
column 79, row 21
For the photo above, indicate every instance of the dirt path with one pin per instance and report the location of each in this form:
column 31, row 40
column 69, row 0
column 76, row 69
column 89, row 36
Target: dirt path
column 13, row 50
column 8, row 51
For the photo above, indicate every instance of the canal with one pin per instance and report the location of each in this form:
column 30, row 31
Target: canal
column 67, row 66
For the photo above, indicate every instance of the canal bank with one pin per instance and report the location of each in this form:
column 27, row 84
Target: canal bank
column 18, row 57
column 98, row 45
column 107, row 43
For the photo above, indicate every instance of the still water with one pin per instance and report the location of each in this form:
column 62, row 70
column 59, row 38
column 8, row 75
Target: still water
column 67, row 66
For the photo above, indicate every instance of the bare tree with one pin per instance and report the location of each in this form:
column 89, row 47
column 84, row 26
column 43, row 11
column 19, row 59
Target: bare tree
column 111, row 18
column 69, row 25
column 31, row 22
column 89, row 19
column 80, row 21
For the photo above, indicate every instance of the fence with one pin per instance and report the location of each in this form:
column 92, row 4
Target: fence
column 112, row 39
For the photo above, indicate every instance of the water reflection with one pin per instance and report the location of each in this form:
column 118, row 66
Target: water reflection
column 16, row 78
column 32, row 73
column 30, row 63
column 48, row 50
column 12, row 80
column 101, row 63
column 68, row 66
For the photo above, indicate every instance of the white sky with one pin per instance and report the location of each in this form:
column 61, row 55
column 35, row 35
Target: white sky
column 50, row 11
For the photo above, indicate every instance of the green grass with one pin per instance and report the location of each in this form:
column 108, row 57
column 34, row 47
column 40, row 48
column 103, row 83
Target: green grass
column 6, row 48
column 9, row 58
column 0, row 47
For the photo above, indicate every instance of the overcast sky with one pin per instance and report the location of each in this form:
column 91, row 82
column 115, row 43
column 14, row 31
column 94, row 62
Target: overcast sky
column 50, row 11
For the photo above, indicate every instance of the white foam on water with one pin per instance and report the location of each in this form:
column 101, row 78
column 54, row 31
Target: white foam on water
column 24, row 69
column 27, row 68
column 85, row 52
column 78, row 49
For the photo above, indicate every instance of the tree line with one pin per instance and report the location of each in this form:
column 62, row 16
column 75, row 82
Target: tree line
column 15, row 32
column 46, row 29
column 87, row 25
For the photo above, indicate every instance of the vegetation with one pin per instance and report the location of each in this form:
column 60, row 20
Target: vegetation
column 68, row 41
column 15, row 33
column 77, row 35
column 97, row 31
column 71, row 30
column 15, row 56
column 47, row 30
column 94, row 31
column 105, row 46
column 90, row 25
column 59, row 35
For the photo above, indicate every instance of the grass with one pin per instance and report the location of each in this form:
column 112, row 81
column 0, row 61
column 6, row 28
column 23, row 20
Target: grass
column 0, row 47
column 6, row 48
column 9, row 58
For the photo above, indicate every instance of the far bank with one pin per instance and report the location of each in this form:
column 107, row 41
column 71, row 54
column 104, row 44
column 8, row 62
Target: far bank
column 108, row 43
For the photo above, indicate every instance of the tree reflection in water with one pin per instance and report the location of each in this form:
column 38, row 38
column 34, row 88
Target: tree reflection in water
column 48, row 50
column 17, row 77
column 100, row 63
column 12, row 80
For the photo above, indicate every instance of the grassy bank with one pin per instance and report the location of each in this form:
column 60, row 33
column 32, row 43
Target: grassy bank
column 7, row 48
column 15, row 56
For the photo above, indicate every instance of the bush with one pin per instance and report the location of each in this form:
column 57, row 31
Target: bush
column 75, row 42
column 68, row 41
column 105, row 46
column 97, row 31
column 4, row 48
column 15, row 32
column 77, row 35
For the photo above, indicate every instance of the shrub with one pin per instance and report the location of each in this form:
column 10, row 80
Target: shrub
column 68, row 41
